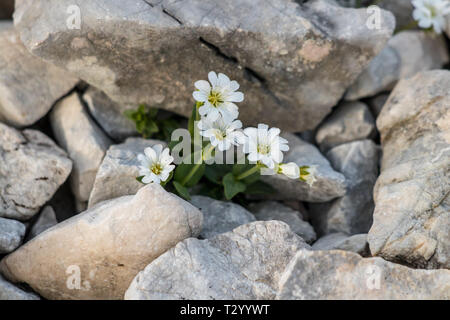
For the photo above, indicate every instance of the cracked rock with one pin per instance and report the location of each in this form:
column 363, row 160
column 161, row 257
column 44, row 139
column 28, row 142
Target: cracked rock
column 340, row 275
column 220, row 216
column 406, row 54
column 340, row 241
column 245, row 264
column 8, row 291
column 11, row 234
column 28, row 86
column 84, row 141
column 105, row 246
column 152, row 52
column 32, row 168
column 330, row 184
column 412, row 202
column 46, row 220
column 116, row 176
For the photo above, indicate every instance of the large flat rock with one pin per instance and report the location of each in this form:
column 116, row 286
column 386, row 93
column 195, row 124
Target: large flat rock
column 295, row 60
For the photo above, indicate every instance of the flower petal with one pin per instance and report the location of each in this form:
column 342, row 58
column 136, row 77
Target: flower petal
column 203, row 85
column 212, row 77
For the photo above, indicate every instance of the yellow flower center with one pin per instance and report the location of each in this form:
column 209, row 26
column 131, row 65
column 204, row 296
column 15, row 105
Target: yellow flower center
column 156, row 168
column 215, row 98
column 432, row 9
column 263, row 149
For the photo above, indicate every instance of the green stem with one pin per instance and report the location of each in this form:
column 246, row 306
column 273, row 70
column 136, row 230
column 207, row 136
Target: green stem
column 249, row 172
column 197, row 166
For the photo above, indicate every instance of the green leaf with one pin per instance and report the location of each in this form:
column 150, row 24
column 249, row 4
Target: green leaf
column 139, row 179
column 163, row 183
column 241, row 168
column 232, row 186
column 183, row 170
column 216, row 172
column 182, row 191
column 259, row 187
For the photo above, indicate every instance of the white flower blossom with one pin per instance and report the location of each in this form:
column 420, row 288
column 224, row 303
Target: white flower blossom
column 265, row 145
column 431, row 13
column 218, row 97
column 155, row 164
column 221, row 133
column 311, row 177
column 290, row 170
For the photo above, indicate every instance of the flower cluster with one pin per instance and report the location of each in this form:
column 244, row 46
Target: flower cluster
column 217, row 114
column 431, row 13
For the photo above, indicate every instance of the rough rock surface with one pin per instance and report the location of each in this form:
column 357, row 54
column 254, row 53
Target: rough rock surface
column 340, row 241
column 312, row 51
column 105, row 247
column 32, row 167
column 28, row 86
column 84, row 141
column 330, row 184
column 406, row 54
column 352, row 213
column 244, row 264
column 117, row 174
column 8, row 291
column 272, row 210
column 351, row 121
column 46, row 220
column 11, row 234
column 344, row 275
column 220, row 216
column 402, row 10
column 411, row 218
column 109, row 115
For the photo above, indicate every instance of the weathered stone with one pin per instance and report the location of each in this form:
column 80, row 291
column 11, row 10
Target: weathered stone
column 32, row 168
column 11, row 234
column 109, row 115
column 402, row 10
column 329, row 185
column 351, row 121
column 153, row 51
column 405, row 55
column 84, row 141
column 220, row 216
column 117, row 174
column 340, row 275
column 28, row 86
column 272, row 210
column 340, row 241
column 377, row 103
column 106, row 246
column 46, row 220
column 411, row 218
column 352, row 213
column 8, row 291
column 244, row 264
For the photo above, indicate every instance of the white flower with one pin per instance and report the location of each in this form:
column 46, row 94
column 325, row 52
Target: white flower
column 265, row 145
column 218, row 97
column 430, row 13
column 310, row 178
column 222, row 134
column 290, row 170
column 155, row 164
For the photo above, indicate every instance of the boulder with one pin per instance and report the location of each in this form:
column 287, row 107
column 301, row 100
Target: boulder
column 11, row 234
column 153, row 51
column 8, row 291
column 84, row 141
column 330, row 184
column 340, row 241
column 118, row 171
column 32, row 168
column 341, row 275
column 28, row 86
column 46, row 220
column 352, row 213
column 245, row 264
column 96, row 254
column 272, row 210
column 349, row 122
column 109, row 115
column 411, row 218
column 406, row 54
column 220, row 216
